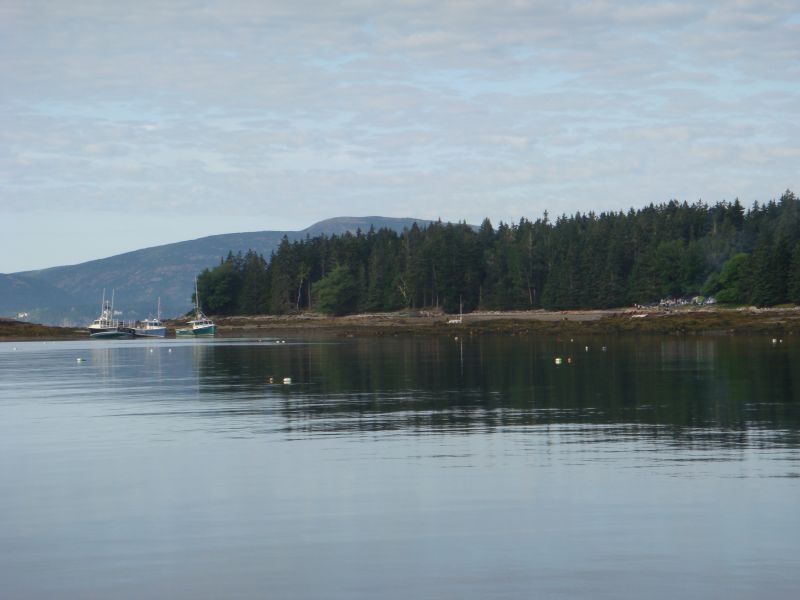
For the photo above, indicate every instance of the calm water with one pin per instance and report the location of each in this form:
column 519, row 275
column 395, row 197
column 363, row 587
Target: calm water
column 400, row 468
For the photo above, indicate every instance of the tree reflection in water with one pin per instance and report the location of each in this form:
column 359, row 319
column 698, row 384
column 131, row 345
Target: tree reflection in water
column 701, row 391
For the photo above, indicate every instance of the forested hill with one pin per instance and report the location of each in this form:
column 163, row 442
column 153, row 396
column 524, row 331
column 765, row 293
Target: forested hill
column 71, row 294
column 581, row 261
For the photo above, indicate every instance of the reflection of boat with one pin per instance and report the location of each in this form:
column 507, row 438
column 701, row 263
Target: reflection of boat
column 106, row 326
column 201, row 324
column 151, row 327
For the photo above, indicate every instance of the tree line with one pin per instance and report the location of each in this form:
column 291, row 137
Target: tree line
column 589, row 260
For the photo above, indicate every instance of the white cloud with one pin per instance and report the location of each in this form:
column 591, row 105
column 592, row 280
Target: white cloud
column 300, row 111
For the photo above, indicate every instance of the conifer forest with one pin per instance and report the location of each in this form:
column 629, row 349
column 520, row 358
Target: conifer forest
column 735, row 254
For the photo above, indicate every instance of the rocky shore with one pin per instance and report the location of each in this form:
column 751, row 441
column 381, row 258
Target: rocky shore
column 12, row 330
column 680, row 321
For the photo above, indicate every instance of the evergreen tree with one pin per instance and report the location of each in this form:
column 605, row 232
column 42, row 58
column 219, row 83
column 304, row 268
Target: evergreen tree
column 793, row 283
column 578, row 261
column 254, row 289
column 337, row 292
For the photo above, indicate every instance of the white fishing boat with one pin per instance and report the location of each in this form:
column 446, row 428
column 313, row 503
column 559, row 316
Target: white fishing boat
column 201, row 324
column 106, row 326
column 151, row 327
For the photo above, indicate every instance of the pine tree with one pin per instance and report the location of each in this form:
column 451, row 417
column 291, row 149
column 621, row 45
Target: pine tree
column 793, row 283
column 585, row 260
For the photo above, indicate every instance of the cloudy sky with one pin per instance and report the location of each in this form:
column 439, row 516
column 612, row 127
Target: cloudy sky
column 130, row 124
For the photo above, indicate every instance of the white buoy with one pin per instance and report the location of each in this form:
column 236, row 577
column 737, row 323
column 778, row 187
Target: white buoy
column 558, row 360
column 80, row 360
column 151, row 349
column 287, row 380
column 587, row 348
column 169, row 349
column 774, row 341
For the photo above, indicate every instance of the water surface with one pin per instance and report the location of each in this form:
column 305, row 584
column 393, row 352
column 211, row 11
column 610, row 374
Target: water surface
column 400, row 468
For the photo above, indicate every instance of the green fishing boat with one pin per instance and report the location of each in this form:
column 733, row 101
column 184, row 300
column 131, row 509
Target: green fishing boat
column 201, row 324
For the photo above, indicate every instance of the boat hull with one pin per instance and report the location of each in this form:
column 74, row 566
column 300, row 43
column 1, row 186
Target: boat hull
column 205, row 330
column 151, row 332
column 110, row 334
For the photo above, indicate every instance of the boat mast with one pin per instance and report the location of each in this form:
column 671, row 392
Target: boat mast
column 196, row 299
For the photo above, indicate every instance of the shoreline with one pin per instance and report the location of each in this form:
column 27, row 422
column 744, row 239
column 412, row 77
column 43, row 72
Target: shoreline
column 656, row 321
column 21, row 331
column 659, row 321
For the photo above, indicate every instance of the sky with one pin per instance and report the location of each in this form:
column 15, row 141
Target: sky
column 126, row 124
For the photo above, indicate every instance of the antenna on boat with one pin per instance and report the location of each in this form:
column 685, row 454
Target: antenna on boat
column 158, row 309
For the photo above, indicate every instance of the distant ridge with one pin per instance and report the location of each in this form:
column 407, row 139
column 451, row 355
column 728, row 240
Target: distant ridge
column 70, row 294
column 341, row 225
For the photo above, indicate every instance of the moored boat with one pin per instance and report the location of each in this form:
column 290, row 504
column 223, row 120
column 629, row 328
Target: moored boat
column 106, row 326
column 151, row 327
column 201, row 324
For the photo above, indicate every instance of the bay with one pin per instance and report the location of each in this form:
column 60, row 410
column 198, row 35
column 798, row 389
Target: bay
column 400, row 467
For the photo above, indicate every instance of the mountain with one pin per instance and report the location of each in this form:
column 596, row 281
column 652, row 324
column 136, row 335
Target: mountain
column 16, row 292
column 70, row 295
